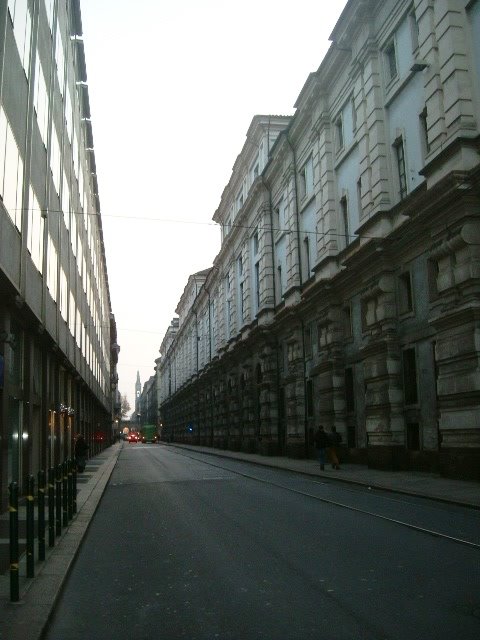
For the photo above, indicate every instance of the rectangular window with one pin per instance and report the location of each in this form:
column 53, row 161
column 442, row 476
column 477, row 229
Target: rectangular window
column 339, row 141
column 410, row 376
column 424, row 131
column 52, row 265
column 310, row 398
column 40, row 100
column 66, row 201
column 240, row 266
column 60, row 60
column 257, row 285
column 55, row 159
column 349, row 391
column 308, row 341
column 68, row 114
column 72, row 312
column 255, row 170
column 306, row 255
column 22, row 29
column 36, row 225
column 227, row 305
column 401, row 169
column 280, row 221
column 414, row 31
column 11, row 172
column 344, row 214
column 240, row 200
column 279, row 282
column 320, row 339
column 391, row 61
column 405, row 301
column 432, row 271
column 347, row 321
column 359, row 196
column 306, row 179
column 49, row 4
column 255, row 243
column 63, row 294
column 241, row 302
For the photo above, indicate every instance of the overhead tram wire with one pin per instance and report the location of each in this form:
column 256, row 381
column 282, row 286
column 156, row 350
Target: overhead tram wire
column 212, row 224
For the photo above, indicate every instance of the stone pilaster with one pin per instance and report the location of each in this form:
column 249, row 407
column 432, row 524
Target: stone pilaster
column 457, row 352
column 295, row 395
column 378, row 191
column 268, row 402
column 331, row 372
column 384, row 416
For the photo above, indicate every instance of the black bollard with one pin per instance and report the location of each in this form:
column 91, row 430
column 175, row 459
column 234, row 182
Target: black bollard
column 41, row 515
column 70, row 488
column 65, row 492
column 51, row 507
column 13, row 509
column 74, row 486
column 58, row 499
column 30, row 527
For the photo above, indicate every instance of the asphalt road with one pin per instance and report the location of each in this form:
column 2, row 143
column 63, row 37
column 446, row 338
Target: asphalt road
column 186, row 545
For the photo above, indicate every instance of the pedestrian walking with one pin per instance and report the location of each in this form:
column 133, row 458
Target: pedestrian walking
column 81, row 450
column 321, row 444
column 335, row 441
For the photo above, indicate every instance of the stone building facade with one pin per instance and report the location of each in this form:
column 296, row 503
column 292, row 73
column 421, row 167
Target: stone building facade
column 58, row 340
column 346, row 289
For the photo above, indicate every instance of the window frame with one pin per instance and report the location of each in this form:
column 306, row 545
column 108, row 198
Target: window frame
column 390, row 58
column 401, row 166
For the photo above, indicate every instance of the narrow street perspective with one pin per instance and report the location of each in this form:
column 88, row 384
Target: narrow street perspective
column 239, row 320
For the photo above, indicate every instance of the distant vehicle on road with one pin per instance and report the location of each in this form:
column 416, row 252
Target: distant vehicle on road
column 148, row 433
column 133, row 437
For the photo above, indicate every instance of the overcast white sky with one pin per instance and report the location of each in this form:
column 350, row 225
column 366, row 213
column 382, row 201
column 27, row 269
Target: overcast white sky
column 173, row 88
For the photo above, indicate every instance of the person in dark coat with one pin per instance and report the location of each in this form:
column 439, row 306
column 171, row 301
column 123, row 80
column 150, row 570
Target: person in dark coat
column 81, row 450
column 335, row 441
column 321, row 444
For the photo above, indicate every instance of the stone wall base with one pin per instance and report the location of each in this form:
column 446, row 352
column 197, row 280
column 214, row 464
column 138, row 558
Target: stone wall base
column 249, row 446
column 268, row 448
column 296, row 450
column 463, row 464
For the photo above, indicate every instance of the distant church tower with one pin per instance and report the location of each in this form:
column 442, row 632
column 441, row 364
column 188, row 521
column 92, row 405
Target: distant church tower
column 138, row 391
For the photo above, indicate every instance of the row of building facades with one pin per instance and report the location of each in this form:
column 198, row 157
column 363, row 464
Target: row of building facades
column 346, row 291
column 58, row 350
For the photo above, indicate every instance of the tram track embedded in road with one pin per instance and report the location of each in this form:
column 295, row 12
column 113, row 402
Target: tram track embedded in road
column 336, row 503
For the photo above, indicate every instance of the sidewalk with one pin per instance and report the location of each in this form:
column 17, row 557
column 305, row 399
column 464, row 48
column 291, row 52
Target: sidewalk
column 412, row 483
column 27, row 619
